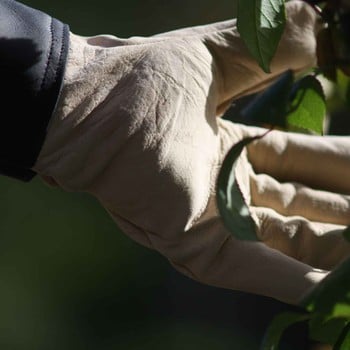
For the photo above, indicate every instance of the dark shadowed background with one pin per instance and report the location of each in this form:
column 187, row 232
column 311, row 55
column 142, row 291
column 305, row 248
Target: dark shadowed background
column 69, row 279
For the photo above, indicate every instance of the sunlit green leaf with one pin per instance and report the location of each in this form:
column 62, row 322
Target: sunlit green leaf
column 270, row 106
column 308, row 105
column 331, row 297
column 277, row 327
column 232, row 207
column 261, row 24
column 343, row 342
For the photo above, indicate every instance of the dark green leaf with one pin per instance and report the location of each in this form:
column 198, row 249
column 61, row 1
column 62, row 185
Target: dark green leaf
column 270, row 106
column 326, row 54
column 347, row 94
column 346, row 233
column 232, row 208
column 343, row 342
column 341, row 39
column 343, row 86
column 331, row 297
column 325, row 330
column 277, row 327
column 261, row 24
column 308, row 105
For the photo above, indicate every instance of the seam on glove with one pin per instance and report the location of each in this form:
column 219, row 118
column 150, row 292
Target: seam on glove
column 63, row 48
column 137, row 228
column 180, row 267
column 184, row 270
column 49, row 57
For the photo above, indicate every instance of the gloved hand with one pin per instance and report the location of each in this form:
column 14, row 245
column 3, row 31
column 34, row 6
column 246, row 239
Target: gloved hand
column 137, row 126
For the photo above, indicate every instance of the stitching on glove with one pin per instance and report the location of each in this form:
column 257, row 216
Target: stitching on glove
column 63, row 47
column 49, row 57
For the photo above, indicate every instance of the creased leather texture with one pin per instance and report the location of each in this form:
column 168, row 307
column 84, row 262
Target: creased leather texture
column 33, row 51
column 138, row 126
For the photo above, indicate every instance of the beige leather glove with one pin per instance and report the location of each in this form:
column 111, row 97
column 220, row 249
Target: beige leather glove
column 137, row 126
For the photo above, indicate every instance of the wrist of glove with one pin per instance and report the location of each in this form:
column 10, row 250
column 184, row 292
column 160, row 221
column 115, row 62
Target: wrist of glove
column 33, row 48
column 137, row 126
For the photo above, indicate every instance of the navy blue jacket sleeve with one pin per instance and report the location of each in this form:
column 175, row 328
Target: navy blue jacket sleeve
column 33, row 53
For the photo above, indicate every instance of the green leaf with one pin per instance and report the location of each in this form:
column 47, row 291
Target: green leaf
column 261, row 24
column 325, row 330
column 343, row 342
column 343, row 87
column 331, row 297
column 342, row 42
column 308, row 105
column 346, row 233
column 277, row 327
column 347, row 95
column 232, row 208
column 325, row 53
column 270, row 106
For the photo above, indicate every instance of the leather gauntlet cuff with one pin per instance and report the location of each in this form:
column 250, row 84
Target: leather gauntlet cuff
column 33, row 53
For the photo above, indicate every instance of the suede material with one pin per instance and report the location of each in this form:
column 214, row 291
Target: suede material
column 138, row 126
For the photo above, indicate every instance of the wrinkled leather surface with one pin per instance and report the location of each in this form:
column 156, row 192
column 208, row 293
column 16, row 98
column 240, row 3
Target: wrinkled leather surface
column 33, row 50
column 138, row 126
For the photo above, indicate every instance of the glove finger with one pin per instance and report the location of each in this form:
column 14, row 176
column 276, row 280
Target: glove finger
column 315, row 161
column 317, row 244
column 239, row 74
column 293, row 199
column 209, row 254
column 199, row 30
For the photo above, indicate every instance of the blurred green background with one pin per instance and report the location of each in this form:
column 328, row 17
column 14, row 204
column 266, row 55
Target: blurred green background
column 69, row 279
